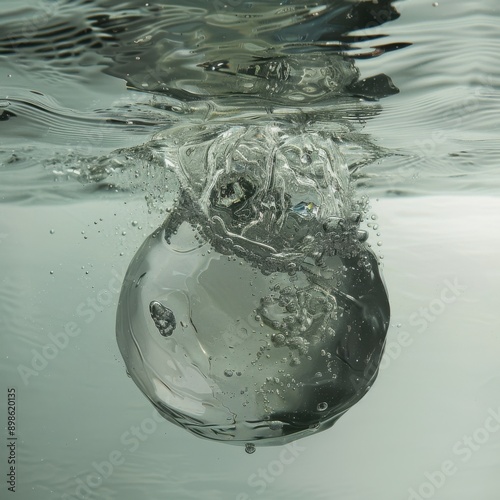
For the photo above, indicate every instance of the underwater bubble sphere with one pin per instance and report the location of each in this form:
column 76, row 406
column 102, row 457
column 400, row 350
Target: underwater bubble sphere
column 249, row 316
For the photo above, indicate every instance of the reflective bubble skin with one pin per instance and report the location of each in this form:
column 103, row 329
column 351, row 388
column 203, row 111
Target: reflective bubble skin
column 256, row 313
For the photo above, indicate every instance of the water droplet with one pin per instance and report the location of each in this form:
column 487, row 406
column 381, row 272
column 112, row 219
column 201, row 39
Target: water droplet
column 250, row 448
column 228, row 373
column 52, row 231
column 362, row 235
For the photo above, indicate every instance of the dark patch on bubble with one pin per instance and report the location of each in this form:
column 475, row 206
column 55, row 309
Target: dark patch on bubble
column 163, row 318
column 233, row 195
column 6, row 115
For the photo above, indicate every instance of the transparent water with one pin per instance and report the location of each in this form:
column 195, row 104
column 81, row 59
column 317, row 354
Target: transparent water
column 85, row 85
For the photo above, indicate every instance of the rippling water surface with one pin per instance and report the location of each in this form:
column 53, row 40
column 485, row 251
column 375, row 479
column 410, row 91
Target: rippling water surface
column 358, row 119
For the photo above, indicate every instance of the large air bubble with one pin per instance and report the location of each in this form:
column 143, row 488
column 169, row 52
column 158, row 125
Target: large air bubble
column 256, row 313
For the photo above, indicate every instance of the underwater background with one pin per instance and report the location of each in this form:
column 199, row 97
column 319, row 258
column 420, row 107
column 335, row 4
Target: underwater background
column 85, row 85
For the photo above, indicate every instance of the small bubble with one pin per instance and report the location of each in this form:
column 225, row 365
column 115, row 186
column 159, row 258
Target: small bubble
column 306, row 158
column 249, row 448
column 163, row 318
column 51, row 272
column 124, row 233
column 134, row 223
column 362, row 235
column 52, row 231
column 322, row 406
column 228, row 373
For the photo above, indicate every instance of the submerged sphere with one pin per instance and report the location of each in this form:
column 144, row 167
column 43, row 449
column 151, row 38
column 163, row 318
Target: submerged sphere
column 255, row 314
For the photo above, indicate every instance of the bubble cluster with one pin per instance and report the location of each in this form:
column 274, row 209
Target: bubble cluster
column 255, row 314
